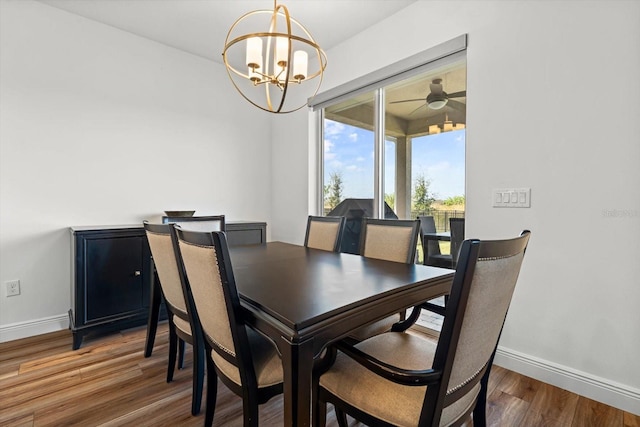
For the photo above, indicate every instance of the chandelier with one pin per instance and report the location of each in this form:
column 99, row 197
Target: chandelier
column 273, row 61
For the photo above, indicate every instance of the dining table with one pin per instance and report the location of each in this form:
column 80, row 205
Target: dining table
column 304, row 299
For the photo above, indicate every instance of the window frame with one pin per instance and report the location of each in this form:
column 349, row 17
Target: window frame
column 437, row 56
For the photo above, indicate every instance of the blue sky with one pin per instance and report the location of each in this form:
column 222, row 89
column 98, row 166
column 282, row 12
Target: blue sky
column 349, row 150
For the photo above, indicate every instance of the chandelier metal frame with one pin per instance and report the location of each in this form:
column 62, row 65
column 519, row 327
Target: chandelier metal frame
column 275, row 73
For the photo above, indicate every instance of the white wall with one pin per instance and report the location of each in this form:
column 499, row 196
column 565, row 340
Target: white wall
column 93, row 122
column 553, row 104
column 98, row 126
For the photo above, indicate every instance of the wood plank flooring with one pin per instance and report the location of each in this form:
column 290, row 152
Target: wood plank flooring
column 108, row 382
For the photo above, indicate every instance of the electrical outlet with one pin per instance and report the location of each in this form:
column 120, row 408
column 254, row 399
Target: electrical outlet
column 13, row 288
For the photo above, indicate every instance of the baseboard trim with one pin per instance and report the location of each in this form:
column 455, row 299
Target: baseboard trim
column 16, row 331
column 614, row 394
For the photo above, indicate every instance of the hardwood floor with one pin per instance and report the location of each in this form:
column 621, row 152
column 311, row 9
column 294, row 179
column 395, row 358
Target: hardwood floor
column 108, row 382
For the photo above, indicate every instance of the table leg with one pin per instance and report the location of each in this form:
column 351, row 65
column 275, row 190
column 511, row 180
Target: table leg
column 154, row 313
column 297, row 363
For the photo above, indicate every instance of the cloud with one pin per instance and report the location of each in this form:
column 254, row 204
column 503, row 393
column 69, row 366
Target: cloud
column 328, row 154
column 360, row 159
column 333, row 129
column 353, row 137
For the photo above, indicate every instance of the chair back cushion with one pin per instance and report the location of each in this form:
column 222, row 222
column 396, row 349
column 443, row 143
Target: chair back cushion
column 164, row 258
column 390, row 240
column 202, row 269
column 323, row 233
column 489, row 296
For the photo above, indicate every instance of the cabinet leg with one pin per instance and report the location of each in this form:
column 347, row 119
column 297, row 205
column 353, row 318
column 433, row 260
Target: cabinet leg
column 77, row 340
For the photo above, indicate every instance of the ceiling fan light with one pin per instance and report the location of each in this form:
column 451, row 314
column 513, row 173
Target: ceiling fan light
column 437, row 101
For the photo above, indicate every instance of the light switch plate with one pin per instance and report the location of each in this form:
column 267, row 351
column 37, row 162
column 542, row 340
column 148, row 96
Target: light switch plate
column 511, row 197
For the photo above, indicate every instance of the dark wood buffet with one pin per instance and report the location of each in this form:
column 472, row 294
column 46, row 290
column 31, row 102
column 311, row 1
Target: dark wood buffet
column 112, row 275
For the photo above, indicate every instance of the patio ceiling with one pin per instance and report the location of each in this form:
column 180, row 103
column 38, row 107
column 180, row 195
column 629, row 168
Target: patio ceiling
column 407, row 118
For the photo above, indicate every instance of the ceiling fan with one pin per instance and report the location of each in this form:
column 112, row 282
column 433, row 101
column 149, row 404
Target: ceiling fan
column 438, row 98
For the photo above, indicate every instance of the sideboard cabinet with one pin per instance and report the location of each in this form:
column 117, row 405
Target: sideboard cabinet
column 112, row 275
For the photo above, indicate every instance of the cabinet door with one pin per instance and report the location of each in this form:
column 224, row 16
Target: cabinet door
column 114, row 276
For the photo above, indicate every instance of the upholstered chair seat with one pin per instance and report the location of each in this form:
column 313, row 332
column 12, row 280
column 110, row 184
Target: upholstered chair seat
column 397, row 404
column 266, row 362
column 182, row 325
column 376, row 328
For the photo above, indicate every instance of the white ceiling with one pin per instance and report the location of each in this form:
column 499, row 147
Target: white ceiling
column 200, row 26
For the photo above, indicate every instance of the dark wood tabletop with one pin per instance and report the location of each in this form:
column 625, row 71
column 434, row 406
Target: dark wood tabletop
column 305, row 299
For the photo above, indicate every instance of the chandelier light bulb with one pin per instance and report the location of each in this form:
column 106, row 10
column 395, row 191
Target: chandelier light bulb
column 254, row 52
column 300, row 64
column 282, row 51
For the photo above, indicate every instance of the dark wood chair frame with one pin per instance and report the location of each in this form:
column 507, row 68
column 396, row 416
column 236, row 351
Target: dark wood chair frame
column 456, row 228
column 251, row 394
column 339, row 219
column 410, row 223
column 177, row 338
column 156, row 300
column 432, row 258
column 436, row 378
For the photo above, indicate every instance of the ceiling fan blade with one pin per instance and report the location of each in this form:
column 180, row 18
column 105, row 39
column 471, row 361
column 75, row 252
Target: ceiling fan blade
column 408, row 100
column 423, row 105
column 457, row 105
column 457, row 94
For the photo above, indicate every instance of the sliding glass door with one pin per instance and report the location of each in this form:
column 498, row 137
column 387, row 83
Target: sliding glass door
column 392, row 146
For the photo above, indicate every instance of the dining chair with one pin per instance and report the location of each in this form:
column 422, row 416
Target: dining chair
column 183, row 327
column 324, row 232
column 431, row 248
column 200, row 223
column 407, row 379
column 246, row 362
column 456, row 227
column 389, row 240
column 197, row 223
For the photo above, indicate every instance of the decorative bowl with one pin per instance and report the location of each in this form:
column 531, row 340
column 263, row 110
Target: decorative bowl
column 179, row 213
